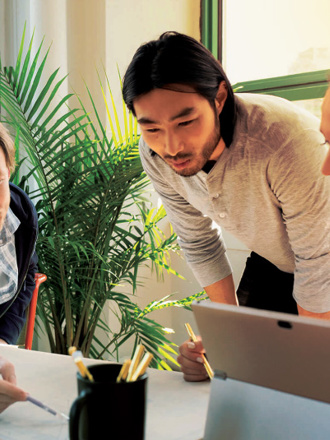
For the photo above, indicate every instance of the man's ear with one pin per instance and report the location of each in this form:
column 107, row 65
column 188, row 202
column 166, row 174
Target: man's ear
column 221, row 97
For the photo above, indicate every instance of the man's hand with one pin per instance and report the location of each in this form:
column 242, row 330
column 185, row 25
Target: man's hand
column 191, row 361
column 9, row 392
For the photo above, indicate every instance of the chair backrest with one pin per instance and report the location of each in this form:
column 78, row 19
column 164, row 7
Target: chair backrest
column 39, row 278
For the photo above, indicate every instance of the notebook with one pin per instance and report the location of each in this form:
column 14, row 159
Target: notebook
column 272, row 373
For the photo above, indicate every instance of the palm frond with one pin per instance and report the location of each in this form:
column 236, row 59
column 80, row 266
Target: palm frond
column 96, row 226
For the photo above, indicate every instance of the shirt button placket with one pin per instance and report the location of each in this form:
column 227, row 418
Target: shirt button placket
column 215, row 198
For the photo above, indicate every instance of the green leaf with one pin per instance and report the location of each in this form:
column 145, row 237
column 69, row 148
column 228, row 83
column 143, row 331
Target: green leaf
column 97, row 227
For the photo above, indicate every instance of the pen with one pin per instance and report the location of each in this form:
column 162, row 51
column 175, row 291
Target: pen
column 46, row 408
column 194, row 339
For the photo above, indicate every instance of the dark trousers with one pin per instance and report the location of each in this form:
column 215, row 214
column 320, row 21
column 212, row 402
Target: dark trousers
column 264, row 286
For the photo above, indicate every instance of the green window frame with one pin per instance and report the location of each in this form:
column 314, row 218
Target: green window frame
column 211, row 26
column 296, row 87
column 301, row 86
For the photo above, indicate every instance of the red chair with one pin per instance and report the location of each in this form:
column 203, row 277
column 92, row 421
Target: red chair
column 39, row 278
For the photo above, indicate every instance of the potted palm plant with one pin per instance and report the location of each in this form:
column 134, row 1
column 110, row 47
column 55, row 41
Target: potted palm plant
column 96, row 227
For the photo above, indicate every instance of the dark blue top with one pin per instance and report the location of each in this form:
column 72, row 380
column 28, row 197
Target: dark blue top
column 12, row 313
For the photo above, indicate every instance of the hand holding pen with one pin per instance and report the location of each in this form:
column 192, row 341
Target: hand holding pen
column 193, row 338
column 10, row 393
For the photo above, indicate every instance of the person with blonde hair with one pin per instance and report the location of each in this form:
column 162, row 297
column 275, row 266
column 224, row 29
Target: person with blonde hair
column 18, row 264
column 18, row 236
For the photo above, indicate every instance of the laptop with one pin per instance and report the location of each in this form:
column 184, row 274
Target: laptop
column 272, row 373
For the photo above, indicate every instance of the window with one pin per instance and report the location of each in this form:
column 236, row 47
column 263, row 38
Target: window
column 275, row 47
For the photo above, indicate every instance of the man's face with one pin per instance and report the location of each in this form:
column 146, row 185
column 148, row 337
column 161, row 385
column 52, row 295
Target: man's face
column 325, row 129
column 181, row 126
column 4, row 188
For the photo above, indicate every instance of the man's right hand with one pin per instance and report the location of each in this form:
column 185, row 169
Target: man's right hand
column 9, row 392
column 191, row 361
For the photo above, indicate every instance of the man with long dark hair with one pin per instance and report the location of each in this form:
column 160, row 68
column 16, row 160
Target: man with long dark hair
column 249, row 163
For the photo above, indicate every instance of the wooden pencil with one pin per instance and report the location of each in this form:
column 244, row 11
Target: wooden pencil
column 124, row 370
column 193, row 337
column 143, row 365
column 135, row 361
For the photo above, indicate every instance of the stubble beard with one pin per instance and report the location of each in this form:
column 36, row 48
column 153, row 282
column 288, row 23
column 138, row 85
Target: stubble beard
column 199, row 161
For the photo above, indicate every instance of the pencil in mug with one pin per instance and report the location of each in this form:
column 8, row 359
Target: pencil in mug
column 141, row 368
column 135, row 361
column 194, row 339
column 124, row 370
column 131, row 370
column 77, row 357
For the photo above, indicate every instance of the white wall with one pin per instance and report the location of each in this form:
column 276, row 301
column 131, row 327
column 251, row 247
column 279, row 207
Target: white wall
column 128, row 26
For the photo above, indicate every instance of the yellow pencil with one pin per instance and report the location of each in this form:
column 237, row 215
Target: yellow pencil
column 77, row 357
column 135, row 361
column 124, row 370
column 143, row 365
column 71, row 350
column 194, row 339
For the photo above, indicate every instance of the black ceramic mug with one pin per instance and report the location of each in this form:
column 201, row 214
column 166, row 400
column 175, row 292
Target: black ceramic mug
column 107, row 409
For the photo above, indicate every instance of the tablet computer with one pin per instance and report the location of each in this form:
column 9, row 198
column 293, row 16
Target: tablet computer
column 276, row 350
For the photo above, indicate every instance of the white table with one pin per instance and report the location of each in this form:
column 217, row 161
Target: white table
column 176, row 409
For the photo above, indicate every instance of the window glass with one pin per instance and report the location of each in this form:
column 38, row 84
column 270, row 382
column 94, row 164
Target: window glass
column 312, row 105
column 264, row 39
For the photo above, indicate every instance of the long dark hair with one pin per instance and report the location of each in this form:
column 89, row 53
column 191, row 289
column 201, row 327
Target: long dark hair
column 179, row 59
